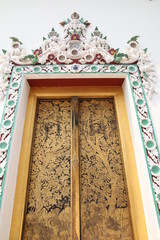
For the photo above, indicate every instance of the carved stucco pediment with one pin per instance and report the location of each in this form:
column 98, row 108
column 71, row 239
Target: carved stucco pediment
column 76, row 49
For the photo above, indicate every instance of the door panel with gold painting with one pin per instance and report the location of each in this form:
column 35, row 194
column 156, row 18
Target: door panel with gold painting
column 76, row 187
column 48, row 213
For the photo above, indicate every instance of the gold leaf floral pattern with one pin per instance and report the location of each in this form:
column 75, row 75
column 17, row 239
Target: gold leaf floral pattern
column 104, row 205
column 48, row 214
column 103, row 199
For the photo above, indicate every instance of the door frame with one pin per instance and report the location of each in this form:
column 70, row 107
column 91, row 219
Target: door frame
column 133, row 187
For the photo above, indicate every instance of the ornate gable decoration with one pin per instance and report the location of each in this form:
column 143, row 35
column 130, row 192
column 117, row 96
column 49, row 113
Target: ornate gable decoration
column 75, row 49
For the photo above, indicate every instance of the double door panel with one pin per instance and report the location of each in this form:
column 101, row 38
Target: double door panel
column 77, row 186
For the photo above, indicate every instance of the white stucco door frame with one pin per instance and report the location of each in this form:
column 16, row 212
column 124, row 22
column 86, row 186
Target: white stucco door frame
column 143, row 138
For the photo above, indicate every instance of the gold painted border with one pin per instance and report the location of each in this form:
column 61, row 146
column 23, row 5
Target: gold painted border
column 135, row 199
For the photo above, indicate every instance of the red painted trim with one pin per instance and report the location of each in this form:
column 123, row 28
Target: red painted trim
column 76, row 82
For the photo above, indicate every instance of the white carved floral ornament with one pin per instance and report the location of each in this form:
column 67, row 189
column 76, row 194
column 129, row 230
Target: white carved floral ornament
column 75, row 54
column 74, row 48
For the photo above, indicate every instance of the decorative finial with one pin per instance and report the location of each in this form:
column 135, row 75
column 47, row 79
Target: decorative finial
column 75, row 15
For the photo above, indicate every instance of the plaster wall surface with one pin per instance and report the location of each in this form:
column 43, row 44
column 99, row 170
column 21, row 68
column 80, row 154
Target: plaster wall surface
column 119, row 20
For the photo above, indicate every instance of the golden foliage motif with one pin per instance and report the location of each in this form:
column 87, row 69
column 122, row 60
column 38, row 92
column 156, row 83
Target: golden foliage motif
column 48, row 214
column 104, row 207
column 103, row 200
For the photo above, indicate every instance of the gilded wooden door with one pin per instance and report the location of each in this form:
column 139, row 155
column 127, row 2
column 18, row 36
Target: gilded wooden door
column 77, row 183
